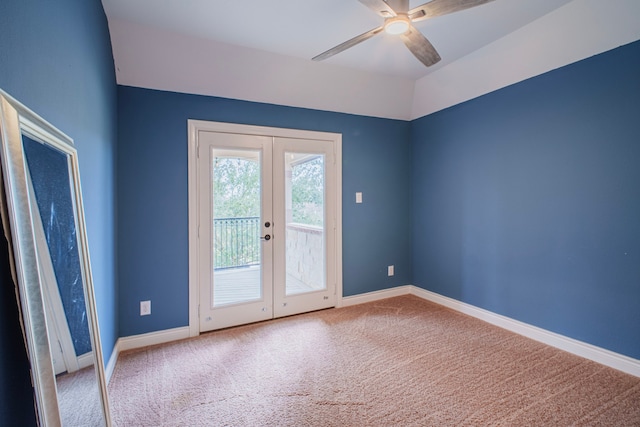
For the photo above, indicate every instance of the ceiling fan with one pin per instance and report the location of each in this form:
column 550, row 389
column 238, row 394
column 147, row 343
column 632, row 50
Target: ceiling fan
column 398, row 20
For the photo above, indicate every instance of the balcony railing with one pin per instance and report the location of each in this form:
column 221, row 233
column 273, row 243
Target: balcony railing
column 236, row 242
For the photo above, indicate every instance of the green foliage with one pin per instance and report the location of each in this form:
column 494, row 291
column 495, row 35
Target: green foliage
column 236, row 194
column 236, row 188
column 307, row 192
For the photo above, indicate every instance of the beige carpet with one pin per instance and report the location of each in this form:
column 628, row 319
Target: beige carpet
column 79, row 398
column 397, row 362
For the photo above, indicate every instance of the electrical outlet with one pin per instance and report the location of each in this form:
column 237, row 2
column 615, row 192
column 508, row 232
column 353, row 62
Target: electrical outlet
column 390, row 271
column 145, row 308
column 359, row 197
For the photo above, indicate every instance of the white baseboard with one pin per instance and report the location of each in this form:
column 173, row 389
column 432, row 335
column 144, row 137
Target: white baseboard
column 111, row 364
column 600, row 355
column 376, row 295
column 143, row 340
column 152, row 338
column 579, row 348
column 86, row 360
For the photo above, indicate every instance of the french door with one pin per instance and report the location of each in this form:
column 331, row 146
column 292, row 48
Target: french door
column 266, row 227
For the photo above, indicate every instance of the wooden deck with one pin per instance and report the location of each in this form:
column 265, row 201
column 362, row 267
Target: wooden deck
column 242, row 284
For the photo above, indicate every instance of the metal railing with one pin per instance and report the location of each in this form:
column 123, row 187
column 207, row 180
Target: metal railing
column 236, row 242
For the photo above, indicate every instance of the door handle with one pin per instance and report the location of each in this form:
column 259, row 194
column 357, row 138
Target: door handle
column 267, row 237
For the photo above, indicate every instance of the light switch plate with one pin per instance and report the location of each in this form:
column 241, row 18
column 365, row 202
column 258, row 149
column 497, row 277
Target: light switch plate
column 358, row 197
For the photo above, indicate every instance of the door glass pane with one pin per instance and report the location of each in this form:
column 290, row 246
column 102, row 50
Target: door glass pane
column 305, row 230
column 236, row 226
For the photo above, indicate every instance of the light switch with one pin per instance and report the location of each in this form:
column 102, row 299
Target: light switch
column 358, row 197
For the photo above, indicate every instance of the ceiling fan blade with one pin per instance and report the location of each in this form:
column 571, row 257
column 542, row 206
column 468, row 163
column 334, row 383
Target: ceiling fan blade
column 442, row 7
column 398, row 6
column 380, row 7
column 420, row 47
column 349, row 43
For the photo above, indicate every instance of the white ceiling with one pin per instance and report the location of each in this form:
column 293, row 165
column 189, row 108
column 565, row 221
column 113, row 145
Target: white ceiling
column 306, row 28
column 261, row 50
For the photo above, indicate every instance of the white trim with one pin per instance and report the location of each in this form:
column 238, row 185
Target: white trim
column 600, row 355
column 337, row 158
column 376, row 295
column 152, row 338
column 86, row 360
column 588, row 351
column 194, row 294
column 204, row 125
column 143, row 340
column 111, row 364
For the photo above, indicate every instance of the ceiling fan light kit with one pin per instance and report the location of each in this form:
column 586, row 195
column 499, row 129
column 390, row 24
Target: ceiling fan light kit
column 398, row 25
column 399, row 21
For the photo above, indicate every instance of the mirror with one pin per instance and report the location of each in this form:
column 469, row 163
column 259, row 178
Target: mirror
column 43, row 218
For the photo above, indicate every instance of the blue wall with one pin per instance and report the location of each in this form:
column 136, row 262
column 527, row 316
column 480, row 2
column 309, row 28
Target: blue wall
column 152, row 197
column 526, row 201
column 55, row 57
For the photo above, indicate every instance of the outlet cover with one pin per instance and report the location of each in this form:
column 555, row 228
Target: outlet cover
column 145, row 308
column 390, row 271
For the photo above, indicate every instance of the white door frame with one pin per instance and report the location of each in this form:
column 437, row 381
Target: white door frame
column 194, row 127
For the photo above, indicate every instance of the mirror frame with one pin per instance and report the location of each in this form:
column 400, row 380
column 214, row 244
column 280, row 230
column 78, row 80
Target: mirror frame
column 16, row 120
